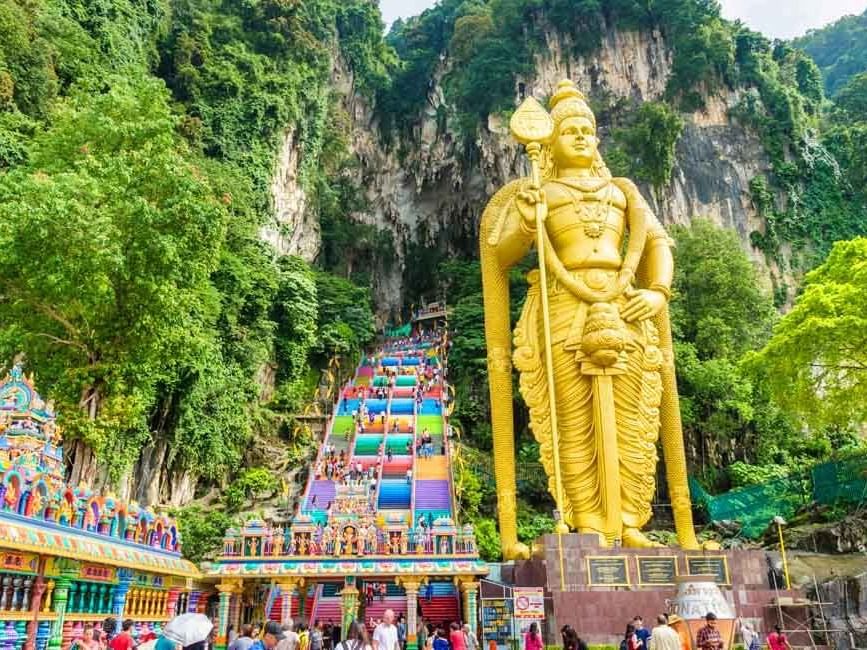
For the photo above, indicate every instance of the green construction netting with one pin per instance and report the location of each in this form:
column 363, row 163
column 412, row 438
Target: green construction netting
column 400, row 331
column 754, row 506
column 841, row 481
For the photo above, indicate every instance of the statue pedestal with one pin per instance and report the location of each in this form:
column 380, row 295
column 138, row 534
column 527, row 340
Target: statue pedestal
column 603, row 588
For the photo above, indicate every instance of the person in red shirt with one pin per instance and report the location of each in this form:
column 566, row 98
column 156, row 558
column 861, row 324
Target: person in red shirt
column 777, row 640
column 456, row 637
column 124, row 640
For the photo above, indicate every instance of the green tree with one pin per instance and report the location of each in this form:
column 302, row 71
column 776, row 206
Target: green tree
column 817, row 356
column 719, row 305
column 129, row 233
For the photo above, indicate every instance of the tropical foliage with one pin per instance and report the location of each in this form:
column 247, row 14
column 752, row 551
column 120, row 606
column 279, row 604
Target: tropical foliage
column 137, row 141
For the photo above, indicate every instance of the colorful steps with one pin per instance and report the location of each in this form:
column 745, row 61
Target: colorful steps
column 367, row 444
column 433, row 423
column 323, row 490
column 440, row 606
column 397, row 467
column 433, row 468
column 432, row 495
column 394, row 494
column 377, row 607
column 396, row 443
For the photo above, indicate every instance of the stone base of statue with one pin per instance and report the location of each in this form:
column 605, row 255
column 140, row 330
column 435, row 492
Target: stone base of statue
column 601, row 589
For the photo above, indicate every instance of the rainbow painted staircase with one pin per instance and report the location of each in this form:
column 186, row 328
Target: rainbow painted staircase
column 439, row 602
column 393, row 519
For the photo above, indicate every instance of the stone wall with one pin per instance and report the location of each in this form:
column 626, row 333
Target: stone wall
column 600, row 613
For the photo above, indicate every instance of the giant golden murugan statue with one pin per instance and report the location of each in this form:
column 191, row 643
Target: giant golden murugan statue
column 593, row 344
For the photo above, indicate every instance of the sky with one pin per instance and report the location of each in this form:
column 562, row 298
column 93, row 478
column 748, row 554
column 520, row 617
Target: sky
column 774, row 18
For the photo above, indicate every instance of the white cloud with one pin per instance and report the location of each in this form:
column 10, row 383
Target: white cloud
column 774, row 18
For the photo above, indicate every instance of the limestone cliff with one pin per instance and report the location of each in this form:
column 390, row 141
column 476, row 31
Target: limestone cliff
column 430, row 187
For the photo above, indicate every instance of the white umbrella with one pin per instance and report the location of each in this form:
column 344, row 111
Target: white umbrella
column 188, row 629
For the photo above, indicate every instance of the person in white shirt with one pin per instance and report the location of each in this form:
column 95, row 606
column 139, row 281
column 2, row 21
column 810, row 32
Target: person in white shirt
column 290, row 640
column 663, row 637
column 385, row 634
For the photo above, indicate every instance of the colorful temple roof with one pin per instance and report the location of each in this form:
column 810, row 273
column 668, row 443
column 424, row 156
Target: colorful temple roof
column 38, row 512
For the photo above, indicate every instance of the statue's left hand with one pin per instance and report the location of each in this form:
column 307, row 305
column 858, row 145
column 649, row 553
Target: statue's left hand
column 643, row 304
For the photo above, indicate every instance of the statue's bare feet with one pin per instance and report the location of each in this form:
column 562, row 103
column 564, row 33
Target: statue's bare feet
column 516, row 551
column 634, row 538
column 710, row 545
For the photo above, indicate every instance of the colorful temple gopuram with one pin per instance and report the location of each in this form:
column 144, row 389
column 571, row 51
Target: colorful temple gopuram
column 376, row 526
column 70, row 557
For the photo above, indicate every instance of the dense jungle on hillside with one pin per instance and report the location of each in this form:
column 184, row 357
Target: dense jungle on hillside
column 138, row 141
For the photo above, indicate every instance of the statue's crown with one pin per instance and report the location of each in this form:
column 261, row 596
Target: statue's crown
column 566, row 89
column 568, row 101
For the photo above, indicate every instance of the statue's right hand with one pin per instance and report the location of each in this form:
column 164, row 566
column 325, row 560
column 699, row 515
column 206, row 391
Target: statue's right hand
column 526, row 202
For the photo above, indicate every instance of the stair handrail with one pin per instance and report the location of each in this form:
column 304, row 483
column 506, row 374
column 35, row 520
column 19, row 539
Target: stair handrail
column 381, row 464
column 329, row 431
column 412, row 521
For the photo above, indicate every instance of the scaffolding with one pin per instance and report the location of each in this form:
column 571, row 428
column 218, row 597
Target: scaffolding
column 811, row 622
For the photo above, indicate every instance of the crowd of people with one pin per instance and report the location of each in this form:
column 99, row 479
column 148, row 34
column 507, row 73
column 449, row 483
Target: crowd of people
column 665, row 637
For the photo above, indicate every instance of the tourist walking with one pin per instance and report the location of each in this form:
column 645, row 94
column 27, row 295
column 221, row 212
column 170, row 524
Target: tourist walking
column 470, row 640
column 271, row 636
column 708, row 637
column 356, row 638
column 456, row 637
column 571, row 640
column 663, row 637
column 124, row 640
column 440, row 642
column 316, row 636
column 777, row 640
column 630, row 641
column 303, row 637
column 421, row 634
column 385, row 634
column 533, row 640
column 245, row 640
column 290, row 638
column 641, row 632
column 750, row 637
column 401, row 632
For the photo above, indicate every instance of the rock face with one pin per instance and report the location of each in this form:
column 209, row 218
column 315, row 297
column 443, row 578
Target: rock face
column 434, row 190
column 293, row 230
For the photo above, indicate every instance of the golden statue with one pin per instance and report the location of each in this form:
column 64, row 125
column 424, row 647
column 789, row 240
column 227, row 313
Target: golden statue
column 593, row 344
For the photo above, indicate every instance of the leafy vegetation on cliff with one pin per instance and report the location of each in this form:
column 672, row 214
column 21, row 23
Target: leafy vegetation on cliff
column 137, row 141
column 839, row 49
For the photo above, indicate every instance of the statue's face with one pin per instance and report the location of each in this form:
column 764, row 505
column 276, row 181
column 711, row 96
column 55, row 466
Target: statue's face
column 575, row 144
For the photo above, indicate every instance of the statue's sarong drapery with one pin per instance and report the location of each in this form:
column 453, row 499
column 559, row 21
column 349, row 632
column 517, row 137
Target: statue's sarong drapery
column 637, row 392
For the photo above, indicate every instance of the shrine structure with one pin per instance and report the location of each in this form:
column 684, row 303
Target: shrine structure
column 376, row 528
column 70, row 557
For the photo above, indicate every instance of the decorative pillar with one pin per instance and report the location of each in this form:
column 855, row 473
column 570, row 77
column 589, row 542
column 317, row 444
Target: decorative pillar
column 287, row 589
column 35, row 607
column 120, row 591
column 172, row 602
column 470, row 591
column 411, row 586
column 68, row 570
column 235, row 607
column 348, row 605
column 193, row 602
column 226, row 589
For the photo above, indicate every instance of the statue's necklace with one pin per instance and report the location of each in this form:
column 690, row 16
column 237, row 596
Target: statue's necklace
column 593, row 219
